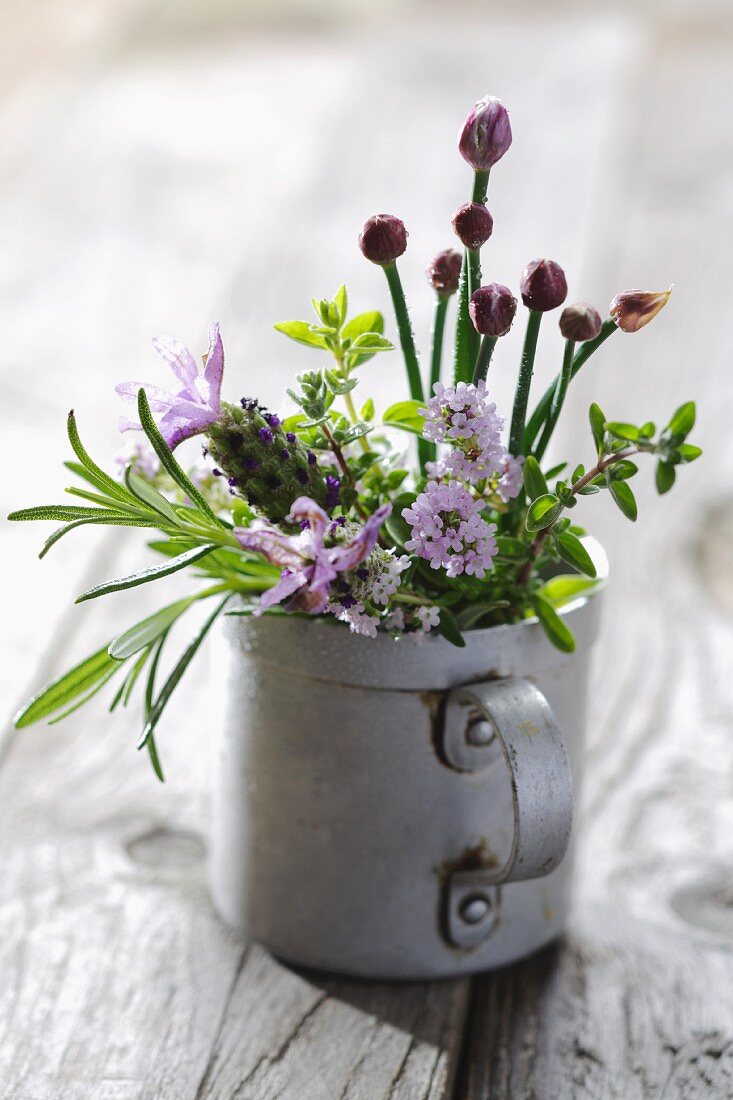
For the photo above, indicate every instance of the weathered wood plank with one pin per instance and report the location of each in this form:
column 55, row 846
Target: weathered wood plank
column 639, row 1001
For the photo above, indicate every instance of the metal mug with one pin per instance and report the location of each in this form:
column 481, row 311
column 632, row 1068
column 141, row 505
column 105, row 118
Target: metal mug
column 388, row 810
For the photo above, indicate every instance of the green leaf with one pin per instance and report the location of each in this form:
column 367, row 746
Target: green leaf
column 510, row 547
column 103, row 480
column 405, row 416
column 597, row 425
column 77, row 681
column 564, row 588
column 371, row 341
column 683, row 420
column 152, row 573
column 167, row 460
column 572, row 551
column 398, row 529
column 622, row 471
column 81, row 471
column 534, row 481
column 109, row 520
column 688, row 453
column 554, row 627
column 341, row 301
column 367, row 410
column 148, row 630
column 174, row 679
column 623, row 495
column 449, row 628
column 372, row 321
column 60, row 512
column 473, row 615
column 665, row 477
column 542, row 512
column 150, row 496
column 300, row 331
column 623, row 431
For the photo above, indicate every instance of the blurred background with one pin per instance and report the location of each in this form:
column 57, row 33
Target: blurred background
column 166, row 163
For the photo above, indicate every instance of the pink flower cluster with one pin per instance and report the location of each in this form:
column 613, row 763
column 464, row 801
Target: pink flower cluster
column 463, row 417
column 449, row 531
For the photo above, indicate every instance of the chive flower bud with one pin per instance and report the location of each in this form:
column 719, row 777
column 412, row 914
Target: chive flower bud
column 492, row 309
column 383, row 239
column 473, row 225
column 632, row 309
column 543, row 286
column 580, row 322
column 486, row 134
column 444, row 272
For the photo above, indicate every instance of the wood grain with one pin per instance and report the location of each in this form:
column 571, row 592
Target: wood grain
column 138, row 197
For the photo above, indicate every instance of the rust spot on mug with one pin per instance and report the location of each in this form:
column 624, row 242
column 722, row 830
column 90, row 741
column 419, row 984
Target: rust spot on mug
column 435, row 703
column 477, row 857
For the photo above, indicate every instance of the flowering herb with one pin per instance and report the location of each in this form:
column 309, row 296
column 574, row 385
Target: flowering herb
column 323, row 513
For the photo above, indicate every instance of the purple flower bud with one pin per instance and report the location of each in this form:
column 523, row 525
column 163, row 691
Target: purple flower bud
column 285, row 454
column 444, row 272
column 473, row 225
column 312, row 460
column 265, row 435
column 492, row 309
column 232, row 482
column 632, row 309
column 543, row 286
column 250, row 462
column 302, row 476
column 290, row 436
column 217, row 472
column 272, row 419
column 333, row 491
column 486, row 134
column 580, row 322
column 383, row 239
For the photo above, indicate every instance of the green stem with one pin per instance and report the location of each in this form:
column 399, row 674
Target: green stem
column 558, row 399
column 539, row 415
column 409, row 352
column 467, row 339
column 441, row 308
column 521, row 398
column 483, row 360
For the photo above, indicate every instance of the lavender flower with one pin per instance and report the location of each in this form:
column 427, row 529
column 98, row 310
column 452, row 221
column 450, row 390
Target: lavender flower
column 448, row 530
column 632, row 309
column 444, row 272
column 197, row 405
column 429, row 618
column 464, row 417
column 383, row 239
column 138, row 454
column 486, row 134
column 309, row 567
column 543, row 285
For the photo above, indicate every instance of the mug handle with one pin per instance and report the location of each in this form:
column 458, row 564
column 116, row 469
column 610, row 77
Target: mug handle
column 539, row 772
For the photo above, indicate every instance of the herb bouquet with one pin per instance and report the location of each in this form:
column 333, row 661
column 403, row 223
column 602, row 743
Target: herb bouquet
column 324, row 513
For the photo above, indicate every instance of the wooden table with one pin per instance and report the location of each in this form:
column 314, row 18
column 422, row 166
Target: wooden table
column 152, row 180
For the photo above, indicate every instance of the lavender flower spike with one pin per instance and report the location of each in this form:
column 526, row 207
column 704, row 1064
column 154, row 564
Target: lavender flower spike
column 309, row 568
column 193, row 408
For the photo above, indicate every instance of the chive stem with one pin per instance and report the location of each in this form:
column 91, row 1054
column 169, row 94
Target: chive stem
column 539, row 415
column 558, row 399
column 524, row 382
column 483, row 361
column 409, row 351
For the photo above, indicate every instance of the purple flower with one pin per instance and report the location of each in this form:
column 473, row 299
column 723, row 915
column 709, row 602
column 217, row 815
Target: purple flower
column 444, row 272
column 464, row 417
column 632, row 309
column 383, row 239
column 308, row 567
column 492, row 309
column 473, row 225
column 333, row 492
column 543, row 285
column 448, row 530
column 510, row 480
column 265, row 435
column 197, row 405
column 580, row 322
column 486, row 134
